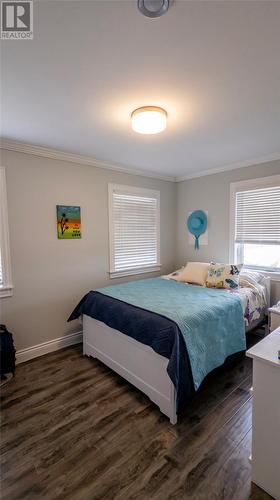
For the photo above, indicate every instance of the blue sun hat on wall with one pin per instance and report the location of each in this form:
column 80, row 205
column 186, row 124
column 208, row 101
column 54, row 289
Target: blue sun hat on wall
column 197, row 225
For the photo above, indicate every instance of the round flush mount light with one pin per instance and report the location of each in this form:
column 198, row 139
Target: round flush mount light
column 149, row 120
column 153, row 8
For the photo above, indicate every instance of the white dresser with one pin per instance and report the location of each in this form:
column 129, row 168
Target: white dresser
column 266, row 414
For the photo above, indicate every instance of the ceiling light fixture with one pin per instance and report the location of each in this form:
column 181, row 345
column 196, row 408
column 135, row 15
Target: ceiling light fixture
column 149, row 120
column 153, row 8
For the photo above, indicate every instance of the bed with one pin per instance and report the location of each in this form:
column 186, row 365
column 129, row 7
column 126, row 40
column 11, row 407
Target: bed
column 164, row 337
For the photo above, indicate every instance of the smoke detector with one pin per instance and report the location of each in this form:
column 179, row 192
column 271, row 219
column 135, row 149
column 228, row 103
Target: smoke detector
column 153, row 8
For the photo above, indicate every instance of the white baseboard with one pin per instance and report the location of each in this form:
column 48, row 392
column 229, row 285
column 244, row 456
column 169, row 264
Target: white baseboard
column 52, row 345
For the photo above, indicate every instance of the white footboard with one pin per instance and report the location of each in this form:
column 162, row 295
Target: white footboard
column 135, row 362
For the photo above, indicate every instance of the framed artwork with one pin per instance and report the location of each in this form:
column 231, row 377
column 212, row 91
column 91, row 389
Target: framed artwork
column 68, row 222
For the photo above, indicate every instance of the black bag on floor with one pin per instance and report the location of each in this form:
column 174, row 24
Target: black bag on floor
column 8, row 358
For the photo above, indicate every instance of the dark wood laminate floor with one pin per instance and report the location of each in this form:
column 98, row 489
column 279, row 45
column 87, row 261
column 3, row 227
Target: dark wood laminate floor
column 72, row 429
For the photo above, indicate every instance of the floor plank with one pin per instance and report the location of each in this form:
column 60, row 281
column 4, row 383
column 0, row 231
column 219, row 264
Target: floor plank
column 72, row 429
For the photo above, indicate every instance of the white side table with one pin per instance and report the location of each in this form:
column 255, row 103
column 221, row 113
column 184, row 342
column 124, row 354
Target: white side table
column 266, row 414
column 274, row 318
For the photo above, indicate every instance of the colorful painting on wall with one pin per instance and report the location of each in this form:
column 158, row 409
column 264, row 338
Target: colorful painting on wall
column 68, row 222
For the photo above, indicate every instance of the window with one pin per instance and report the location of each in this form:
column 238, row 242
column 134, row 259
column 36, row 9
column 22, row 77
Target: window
column 134, row 225
column 255, row 223
column 5, row 265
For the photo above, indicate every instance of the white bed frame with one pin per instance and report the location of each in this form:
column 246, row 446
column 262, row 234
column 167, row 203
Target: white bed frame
column 135, row 362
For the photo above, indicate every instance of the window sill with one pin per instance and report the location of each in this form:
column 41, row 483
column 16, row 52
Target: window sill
column 6, row 291
column 132, row 272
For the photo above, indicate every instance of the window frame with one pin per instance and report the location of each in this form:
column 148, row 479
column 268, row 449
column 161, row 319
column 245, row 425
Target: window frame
column 138, row 191
column 260, row 182
column 6, row 289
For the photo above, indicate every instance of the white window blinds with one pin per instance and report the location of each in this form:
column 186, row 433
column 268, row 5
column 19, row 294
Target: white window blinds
column 257, row 217
column 134, row 229
column 1, row 271
column 5, row 264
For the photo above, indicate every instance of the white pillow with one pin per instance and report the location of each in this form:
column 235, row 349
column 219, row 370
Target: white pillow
column 252, row 276
column 194, row 272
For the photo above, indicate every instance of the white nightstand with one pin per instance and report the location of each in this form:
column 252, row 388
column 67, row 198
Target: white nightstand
column 274, row 318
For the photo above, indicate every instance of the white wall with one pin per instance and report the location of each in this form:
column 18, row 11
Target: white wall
column 50, row 275
column 212, row 193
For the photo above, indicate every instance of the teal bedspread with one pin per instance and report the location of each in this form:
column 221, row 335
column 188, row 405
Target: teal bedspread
column 211, row 321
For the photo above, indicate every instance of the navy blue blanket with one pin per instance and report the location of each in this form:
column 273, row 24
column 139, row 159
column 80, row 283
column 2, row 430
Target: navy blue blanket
column 160, row 333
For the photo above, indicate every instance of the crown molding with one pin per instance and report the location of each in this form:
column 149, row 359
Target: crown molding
column 55, row 154
column 22, row 147
column 225, row 168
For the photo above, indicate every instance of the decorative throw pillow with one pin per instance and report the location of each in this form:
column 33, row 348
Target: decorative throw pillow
column 223, row 276
column 194, row 272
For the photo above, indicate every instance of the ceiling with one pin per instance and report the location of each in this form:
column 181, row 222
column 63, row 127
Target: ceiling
column 213, row 65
